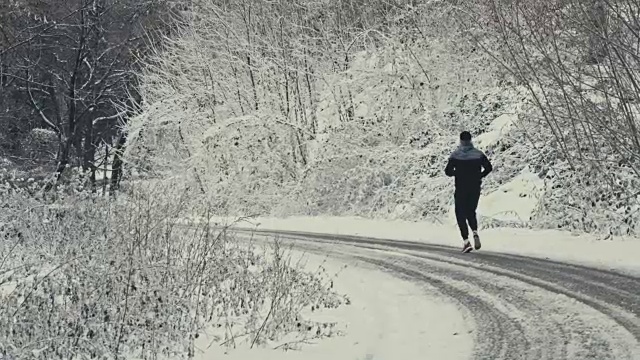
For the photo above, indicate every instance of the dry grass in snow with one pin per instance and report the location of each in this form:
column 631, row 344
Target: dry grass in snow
column 90, row 277
column 388, row 318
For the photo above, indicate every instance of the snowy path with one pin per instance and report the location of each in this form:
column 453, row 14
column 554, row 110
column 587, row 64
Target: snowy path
column 519, row 307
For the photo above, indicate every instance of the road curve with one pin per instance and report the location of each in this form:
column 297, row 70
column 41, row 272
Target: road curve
column 521, row 307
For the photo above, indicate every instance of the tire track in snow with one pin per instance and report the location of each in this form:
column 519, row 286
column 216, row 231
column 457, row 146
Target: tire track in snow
column 499, row 335
column 549, row 328
column 524, row 308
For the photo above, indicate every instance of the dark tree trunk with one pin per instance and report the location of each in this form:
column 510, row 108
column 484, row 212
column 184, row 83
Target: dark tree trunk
column 89, row 153
column 599, row 32
column 105, row 172
column 116, row 172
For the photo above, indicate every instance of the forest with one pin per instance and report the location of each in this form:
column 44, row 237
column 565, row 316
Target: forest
column 128, row 126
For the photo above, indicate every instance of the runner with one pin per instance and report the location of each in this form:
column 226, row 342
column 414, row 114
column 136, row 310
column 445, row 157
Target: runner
column 469, row 166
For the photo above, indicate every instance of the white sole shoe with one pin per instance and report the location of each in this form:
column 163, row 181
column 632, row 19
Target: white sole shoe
column 476, row 242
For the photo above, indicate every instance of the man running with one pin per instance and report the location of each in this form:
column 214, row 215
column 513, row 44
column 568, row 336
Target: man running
column 469, row 166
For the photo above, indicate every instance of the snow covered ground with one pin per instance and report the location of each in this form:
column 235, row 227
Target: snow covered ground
column 620, row 253
column 392, row 318
column 387, row 318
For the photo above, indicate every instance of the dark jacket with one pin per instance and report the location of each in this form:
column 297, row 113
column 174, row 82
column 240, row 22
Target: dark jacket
column 469, row 166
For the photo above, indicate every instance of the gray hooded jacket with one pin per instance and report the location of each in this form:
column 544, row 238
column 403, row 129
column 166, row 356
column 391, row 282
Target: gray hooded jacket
column 469, row 166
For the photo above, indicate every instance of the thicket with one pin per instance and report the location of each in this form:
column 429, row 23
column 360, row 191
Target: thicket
column 92, row 277
column 332, row 103
column 353, row 110
column 68, row 80
column 578, row 62
column 90, row 272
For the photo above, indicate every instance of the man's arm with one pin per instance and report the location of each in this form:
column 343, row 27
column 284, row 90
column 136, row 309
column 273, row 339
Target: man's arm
column 450, row 170
column 486, row 166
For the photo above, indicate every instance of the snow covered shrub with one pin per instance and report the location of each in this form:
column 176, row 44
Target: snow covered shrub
column 93, row 277
column 385, row 159
column 576, row 60
column 581, row 200
column 388, row 161
column 256, row 122
column 579, row 195
column 274, row 122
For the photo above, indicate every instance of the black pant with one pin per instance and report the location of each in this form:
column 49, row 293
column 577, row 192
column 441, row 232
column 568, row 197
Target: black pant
column 466, row 204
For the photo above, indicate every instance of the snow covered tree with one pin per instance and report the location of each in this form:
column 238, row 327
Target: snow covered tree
column 65, row 65
column 578, row 61
column 253, row 100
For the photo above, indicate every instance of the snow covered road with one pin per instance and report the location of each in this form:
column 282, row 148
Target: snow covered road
column 517, row 307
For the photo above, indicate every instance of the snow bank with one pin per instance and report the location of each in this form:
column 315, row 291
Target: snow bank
column 497, row 129
column 514, row 201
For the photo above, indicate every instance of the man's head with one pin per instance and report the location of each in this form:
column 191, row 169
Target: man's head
column 465, row 136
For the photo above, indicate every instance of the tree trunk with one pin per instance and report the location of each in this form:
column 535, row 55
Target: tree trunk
column 89, row 154
column 116, row 167
column 104, row 167
column 598, row 35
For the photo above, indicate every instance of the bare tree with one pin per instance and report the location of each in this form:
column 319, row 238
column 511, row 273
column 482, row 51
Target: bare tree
column 579, row 61
column 71, row 63
column 237, row 93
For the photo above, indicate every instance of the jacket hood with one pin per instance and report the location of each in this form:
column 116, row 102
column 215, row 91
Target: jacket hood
column 466, row 151
column 466, row 146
